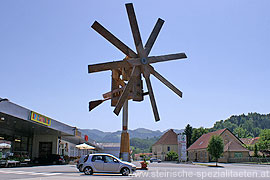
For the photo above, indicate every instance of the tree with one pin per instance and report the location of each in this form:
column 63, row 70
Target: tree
column 188, row 133
column 264, row 141
column 171, row 156
column 197, row 133
column 241, row 133
column 215, row 147
column 256, row 151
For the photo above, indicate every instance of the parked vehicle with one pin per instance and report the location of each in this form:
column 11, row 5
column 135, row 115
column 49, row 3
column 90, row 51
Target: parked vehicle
column 155, row 160
column 107, row 163
column 80, row 162
column 50, row 159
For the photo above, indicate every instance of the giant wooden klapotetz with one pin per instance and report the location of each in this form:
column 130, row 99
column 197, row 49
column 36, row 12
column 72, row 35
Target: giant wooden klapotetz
column 127, row 73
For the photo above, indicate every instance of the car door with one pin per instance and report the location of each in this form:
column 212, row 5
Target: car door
column 111, row 164
column 98, row 163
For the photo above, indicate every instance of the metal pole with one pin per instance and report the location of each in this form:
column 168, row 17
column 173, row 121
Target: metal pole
column 124, row 146
column 125, row 117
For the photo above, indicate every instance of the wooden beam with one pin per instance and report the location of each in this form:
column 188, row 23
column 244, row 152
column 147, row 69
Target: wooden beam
column 114, row 87
column 135, row 29
column 114, row 40
column 126, row 92
column 169, row 57
column 165, row 81
column 137, row 92
column 107, row 66
column 133, row 62
column 153, row 36
column 146, row 74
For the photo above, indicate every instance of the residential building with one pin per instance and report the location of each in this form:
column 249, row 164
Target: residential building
column 233, row 147
column 167, row 142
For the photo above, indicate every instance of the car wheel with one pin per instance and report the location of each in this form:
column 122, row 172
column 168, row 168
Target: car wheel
column 88, row 171
column 54, row 162
column 80, row 168
column 125, row 171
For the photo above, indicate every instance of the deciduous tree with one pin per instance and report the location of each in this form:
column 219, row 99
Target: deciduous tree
column 215, row 147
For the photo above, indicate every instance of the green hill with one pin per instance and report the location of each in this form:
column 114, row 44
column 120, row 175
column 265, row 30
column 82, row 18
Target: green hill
column 243, row 125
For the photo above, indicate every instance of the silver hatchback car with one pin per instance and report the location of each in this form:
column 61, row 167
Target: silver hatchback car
column 106, row 163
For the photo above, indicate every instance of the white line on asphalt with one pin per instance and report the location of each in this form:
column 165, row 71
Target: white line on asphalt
column 29, row 173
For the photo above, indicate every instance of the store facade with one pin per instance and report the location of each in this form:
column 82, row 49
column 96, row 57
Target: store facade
column 31, row 135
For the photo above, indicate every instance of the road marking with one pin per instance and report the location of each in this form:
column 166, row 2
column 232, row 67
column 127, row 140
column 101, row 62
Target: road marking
column 29, row 173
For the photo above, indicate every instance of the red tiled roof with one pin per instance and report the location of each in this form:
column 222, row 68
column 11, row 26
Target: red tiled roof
column 170, row 137
column 234, row 146
column 250, row 141
column 203, row 141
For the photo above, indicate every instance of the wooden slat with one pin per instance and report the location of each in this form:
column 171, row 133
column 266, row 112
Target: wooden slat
column 125, row 94
column 156, row 59
column 151, row 93
column 135, row 29
column 137, row 92
column 114, row 86
column 114, row 40
column 107, row 66
column 169, row 57
column 153, row 36
column 94, row 104
column 165, row 81
column 137, row 88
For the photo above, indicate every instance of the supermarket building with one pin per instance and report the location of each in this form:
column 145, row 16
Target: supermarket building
column 32, row 134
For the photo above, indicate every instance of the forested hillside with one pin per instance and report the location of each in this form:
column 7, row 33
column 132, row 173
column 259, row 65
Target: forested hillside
column 243, row 125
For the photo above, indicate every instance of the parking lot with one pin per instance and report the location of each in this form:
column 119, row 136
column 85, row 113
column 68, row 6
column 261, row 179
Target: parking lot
column 156, row 171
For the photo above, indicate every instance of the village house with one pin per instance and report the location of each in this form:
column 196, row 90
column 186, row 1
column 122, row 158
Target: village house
column 167, row 142
column 233, row 147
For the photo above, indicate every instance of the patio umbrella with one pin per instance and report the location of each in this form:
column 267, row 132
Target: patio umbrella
column 5, row 146
column 84, row 146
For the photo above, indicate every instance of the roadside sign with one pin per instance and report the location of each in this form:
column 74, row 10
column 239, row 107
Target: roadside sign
column 182, row 147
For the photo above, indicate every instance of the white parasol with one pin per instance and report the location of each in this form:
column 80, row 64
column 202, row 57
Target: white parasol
column 84, row 146
column 5, row 146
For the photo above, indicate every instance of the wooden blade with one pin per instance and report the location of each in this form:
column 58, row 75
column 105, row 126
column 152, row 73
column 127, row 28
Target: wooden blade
column 93, row 104
column 165, row 81
column 114, row 40
column 135, row 29
column 169, row 57
column 153, row 36
column 151, row 93
column 107, row 66
column 124, row 95
column 156, row 59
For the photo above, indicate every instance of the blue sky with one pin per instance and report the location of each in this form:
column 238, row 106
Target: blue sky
column 45, row 47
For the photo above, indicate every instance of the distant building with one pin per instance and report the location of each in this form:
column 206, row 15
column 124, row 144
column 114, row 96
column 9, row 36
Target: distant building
column 233, row 147
column 250, row 141
column 167, row 142
column 110, row 148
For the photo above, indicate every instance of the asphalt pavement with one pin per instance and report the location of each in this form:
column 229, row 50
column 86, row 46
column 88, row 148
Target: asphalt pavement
column 155, row 171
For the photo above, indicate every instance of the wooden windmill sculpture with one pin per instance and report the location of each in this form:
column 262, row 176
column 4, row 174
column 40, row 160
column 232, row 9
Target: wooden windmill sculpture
column 127, row 73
